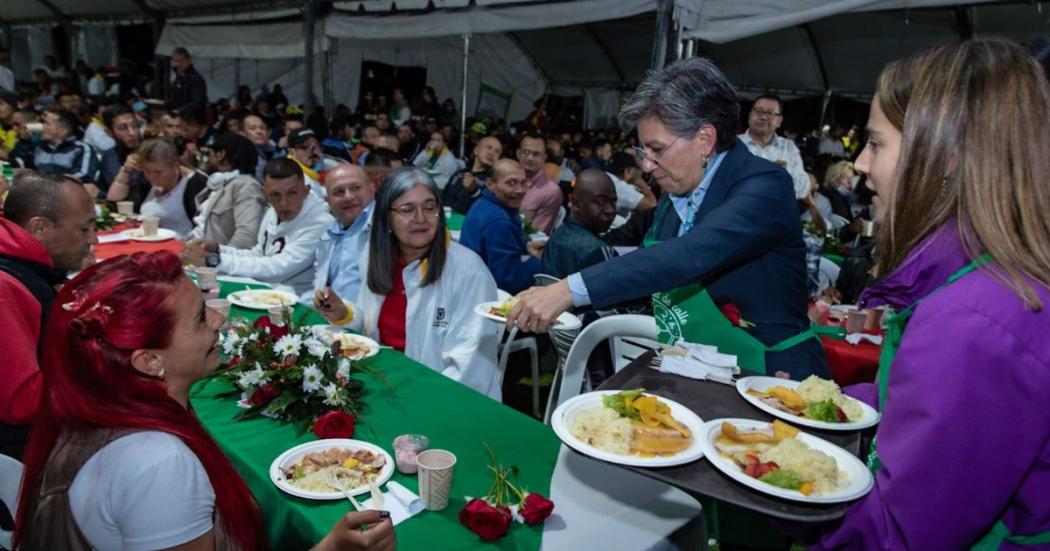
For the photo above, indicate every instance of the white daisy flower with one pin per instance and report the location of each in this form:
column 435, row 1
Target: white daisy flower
column 230, row 342
column 344, row 368
column 253, row 378
column 316, row 347
column 331, row 395
column 288, row 345
column 312, row 378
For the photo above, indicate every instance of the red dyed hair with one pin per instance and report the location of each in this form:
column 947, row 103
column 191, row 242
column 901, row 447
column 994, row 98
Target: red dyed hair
column 99, row 318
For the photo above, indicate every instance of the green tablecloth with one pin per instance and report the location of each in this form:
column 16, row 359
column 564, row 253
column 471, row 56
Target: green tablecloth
column 836, row 258
column 417, row 400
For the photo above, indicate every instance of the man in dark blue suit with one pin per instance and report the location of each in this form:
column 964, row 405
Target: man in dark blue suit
column 727, row 220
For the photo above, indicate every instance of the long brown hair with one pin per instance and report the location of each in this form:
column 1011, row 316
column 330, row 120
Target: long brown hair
column 974, row 147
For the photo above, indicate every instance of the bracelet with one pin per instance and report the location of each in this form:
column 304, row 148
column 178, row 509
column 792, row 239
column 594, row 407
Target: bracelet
column 349, row 317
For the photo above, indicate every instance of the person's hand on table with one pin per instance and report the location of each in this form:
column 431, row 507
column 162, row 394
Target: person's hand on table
column 328, row 304
column 535, row 248
column 196, row 251
column 360, row 531
column 538, row 307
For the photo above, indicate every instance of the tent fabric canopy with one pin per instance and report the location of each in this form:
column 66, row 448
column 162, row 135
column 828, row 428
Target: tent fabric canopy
column 264, row 41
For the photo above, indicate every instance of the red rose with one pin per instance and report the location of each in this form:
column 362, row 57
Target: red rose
column 485, row 520
column 233, row 361
column 732, row 313
column 263, row 395
column 335, row 424
column 276, row 331
column 536, row 508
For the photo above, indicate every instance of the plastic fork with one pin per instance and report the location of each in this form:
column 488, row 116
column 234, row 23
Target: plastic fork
column 378, row 500
column 333, row 481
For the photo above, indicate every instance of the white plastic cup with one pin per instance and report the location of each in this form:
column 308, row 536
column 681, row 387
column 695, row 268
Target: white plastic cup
column 150, row 225
column 277, row 314
column 220, row 305
column 855, row 320
column 436, row 468
column 207, row 279
column 127, row 208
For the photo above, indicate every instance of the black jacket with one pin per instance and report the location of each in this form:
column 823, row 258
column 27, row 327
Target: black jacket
column 188, row 89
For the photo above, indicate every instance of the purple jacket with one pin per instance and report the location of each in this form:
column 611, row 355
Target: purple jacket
column 965, row 433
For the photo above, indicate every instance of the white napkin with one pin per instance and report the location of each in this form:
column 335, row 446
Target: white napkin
column 400, row 501
column 699, row 361
column 855, row 338
column 112, row 237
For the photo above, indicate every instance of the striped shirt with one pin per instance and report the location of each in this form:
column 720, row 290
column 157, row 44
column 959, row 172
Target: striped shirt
column 72, row 157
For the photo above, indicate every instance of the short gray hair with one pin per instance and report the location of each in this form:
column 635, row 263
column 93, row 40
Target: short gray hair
column 383, row 245
column 684, row 96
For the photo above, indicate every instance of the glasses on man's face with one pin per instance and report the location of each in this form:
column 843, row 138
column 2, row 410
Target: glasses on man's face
column 530, row 153
column 429, row 209
column 646, row 154
column 765, row 113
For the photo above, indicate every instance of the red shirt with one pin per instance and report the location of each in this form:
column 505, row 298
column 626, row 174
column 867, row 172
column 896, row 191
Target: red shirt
column 392, row 313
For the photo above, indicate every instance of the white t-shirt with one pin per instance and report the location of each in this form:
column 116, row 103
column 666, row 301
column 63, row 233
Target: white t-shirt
column 142, row 491
column 169, row 208
column 627, row 196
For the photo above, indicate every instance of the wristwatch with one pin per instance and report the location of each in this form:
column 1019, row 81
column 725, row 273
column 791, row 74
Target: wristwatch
column 212, row 260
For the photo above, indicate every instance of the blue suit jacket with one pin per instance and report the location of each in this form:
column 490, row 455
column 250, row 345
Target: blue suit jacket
column 495, row 233
column 745, row 247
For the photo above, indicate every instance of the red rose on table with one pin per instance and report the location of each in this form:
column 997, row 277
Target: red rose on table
column 335, row 424
column 536, row 508
column 276, row 331
column 486, row 521
column 263, row 395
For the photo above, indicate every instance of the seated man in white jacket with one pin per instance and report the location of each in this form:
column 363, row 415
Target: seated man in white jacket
column 288, row 235
column 337, row 260
column 420, row 288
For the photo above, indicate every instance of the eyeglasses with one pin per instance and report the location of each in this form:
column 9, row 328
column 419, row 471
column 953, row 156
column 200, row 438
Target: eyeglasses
column 646, row 154
column 409, row 210
column 530, row 153
column 765, row 113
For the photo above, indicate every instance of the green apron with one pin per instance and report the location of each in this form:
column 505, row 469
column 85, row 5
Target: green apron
column 895, row 325
column 688, row 313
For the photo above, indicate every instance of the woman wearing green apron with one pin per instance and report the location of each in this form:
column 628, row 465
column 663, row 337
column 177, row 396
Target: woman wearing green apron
column 959, row 166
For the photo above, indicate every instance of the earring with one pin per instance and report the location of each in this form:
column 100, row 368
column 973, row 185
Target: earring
column 704, row 161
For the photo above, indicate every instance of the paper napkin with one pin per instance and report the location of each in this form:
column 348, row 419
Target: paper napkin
column 400, row 501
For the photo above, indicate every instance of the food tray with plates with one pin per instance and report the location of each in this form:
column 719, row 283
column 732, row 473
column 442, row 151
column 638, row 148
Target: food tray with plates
column 757, row 391
column 138, row 234
column 347, row 458
column 497, row 311
column 261, row 299
column 832, row 474
column 711, row 400
column 580, row 424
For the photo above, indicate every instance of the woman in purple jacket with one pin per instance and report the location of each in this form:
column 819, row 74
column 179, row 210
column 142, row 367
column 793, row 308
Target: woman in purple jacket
column 959, row 155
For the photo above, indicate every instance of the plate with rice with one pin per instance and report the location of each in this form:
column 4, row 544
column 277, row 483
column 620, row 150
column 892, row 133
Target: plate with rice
column 588, row 426
column 301, row 471
column 779, row 460
column 814, row 402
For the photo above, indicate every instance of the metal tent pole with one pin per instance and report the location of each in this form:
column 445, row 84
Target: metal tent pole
column 463, row 104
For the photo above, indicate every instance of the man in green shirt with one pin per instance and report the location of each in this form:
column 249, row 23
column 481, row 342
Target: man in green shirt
column 575, row 245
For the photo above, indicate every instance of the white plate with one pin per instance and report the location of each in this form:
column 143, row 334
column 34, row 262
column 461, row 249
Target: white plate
column 561, row 422
column 566, row 321
column 334, row 332
column 255, row 298
column 293, row 455
column 760, row 384
column 856, row 482
column 136, row 235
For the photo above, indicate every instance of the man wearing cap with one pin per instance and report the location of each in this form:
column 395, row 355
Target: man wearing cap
column 305, row 150
column 465, row 185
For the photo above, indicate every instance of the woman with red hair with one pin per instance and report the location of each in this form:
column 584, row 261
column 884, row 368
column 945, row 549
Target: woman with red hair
column 117, row 458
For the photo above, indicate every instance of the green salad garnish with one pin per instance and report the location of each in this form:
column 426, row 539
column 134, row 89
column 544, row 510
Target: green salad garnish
column 621, row 403
column 783, row 478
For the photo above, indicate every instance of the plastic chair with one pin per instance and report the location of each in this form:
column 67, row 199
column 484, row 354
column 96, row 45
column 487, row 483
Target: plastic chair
column 10, row 482
column 837, row 221
column 559, row 218
column 625, row 325
column 514, row 344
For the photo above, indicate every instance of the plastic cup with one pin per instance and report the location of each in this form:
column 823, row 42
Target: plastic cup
column 208, row 279
column 277, row 314
column 407, row 448
column 436, row 468
column 220, row 305
column 150, row 225
column 127, row 208
column 869, row 229
column 855, row 320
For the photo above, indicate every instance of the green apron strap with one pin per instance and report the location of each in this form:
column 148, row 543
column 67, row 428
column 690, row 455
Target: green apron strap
column 833, row 331
column 1000, row 534
column 783, row 345
column 658, row 220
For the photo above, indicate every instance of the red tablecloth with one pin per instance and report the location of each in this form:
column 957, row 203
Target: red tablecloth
column 109, row 250
column 851, row 364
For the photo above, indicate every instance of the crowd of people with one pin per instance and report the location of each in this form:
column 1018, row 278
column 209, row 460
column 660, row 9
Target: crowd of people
column 350, row 212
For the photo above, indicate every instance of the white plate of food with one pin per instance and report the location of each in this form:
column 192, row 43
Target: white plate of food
column 353, row 347
column 261, row 299
column 789, row 464
column 586, row 424
column 138, row 234
column 497, row 311
column 815, row 402
column 300, row 471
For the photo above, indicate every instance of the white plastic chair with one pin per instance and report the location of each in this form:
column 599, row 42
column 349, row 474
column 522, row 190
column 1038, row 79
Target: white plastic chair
column 624, row 325
column 559, row 218
column 837, row 221
column 10, row 481
column 514, row 344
